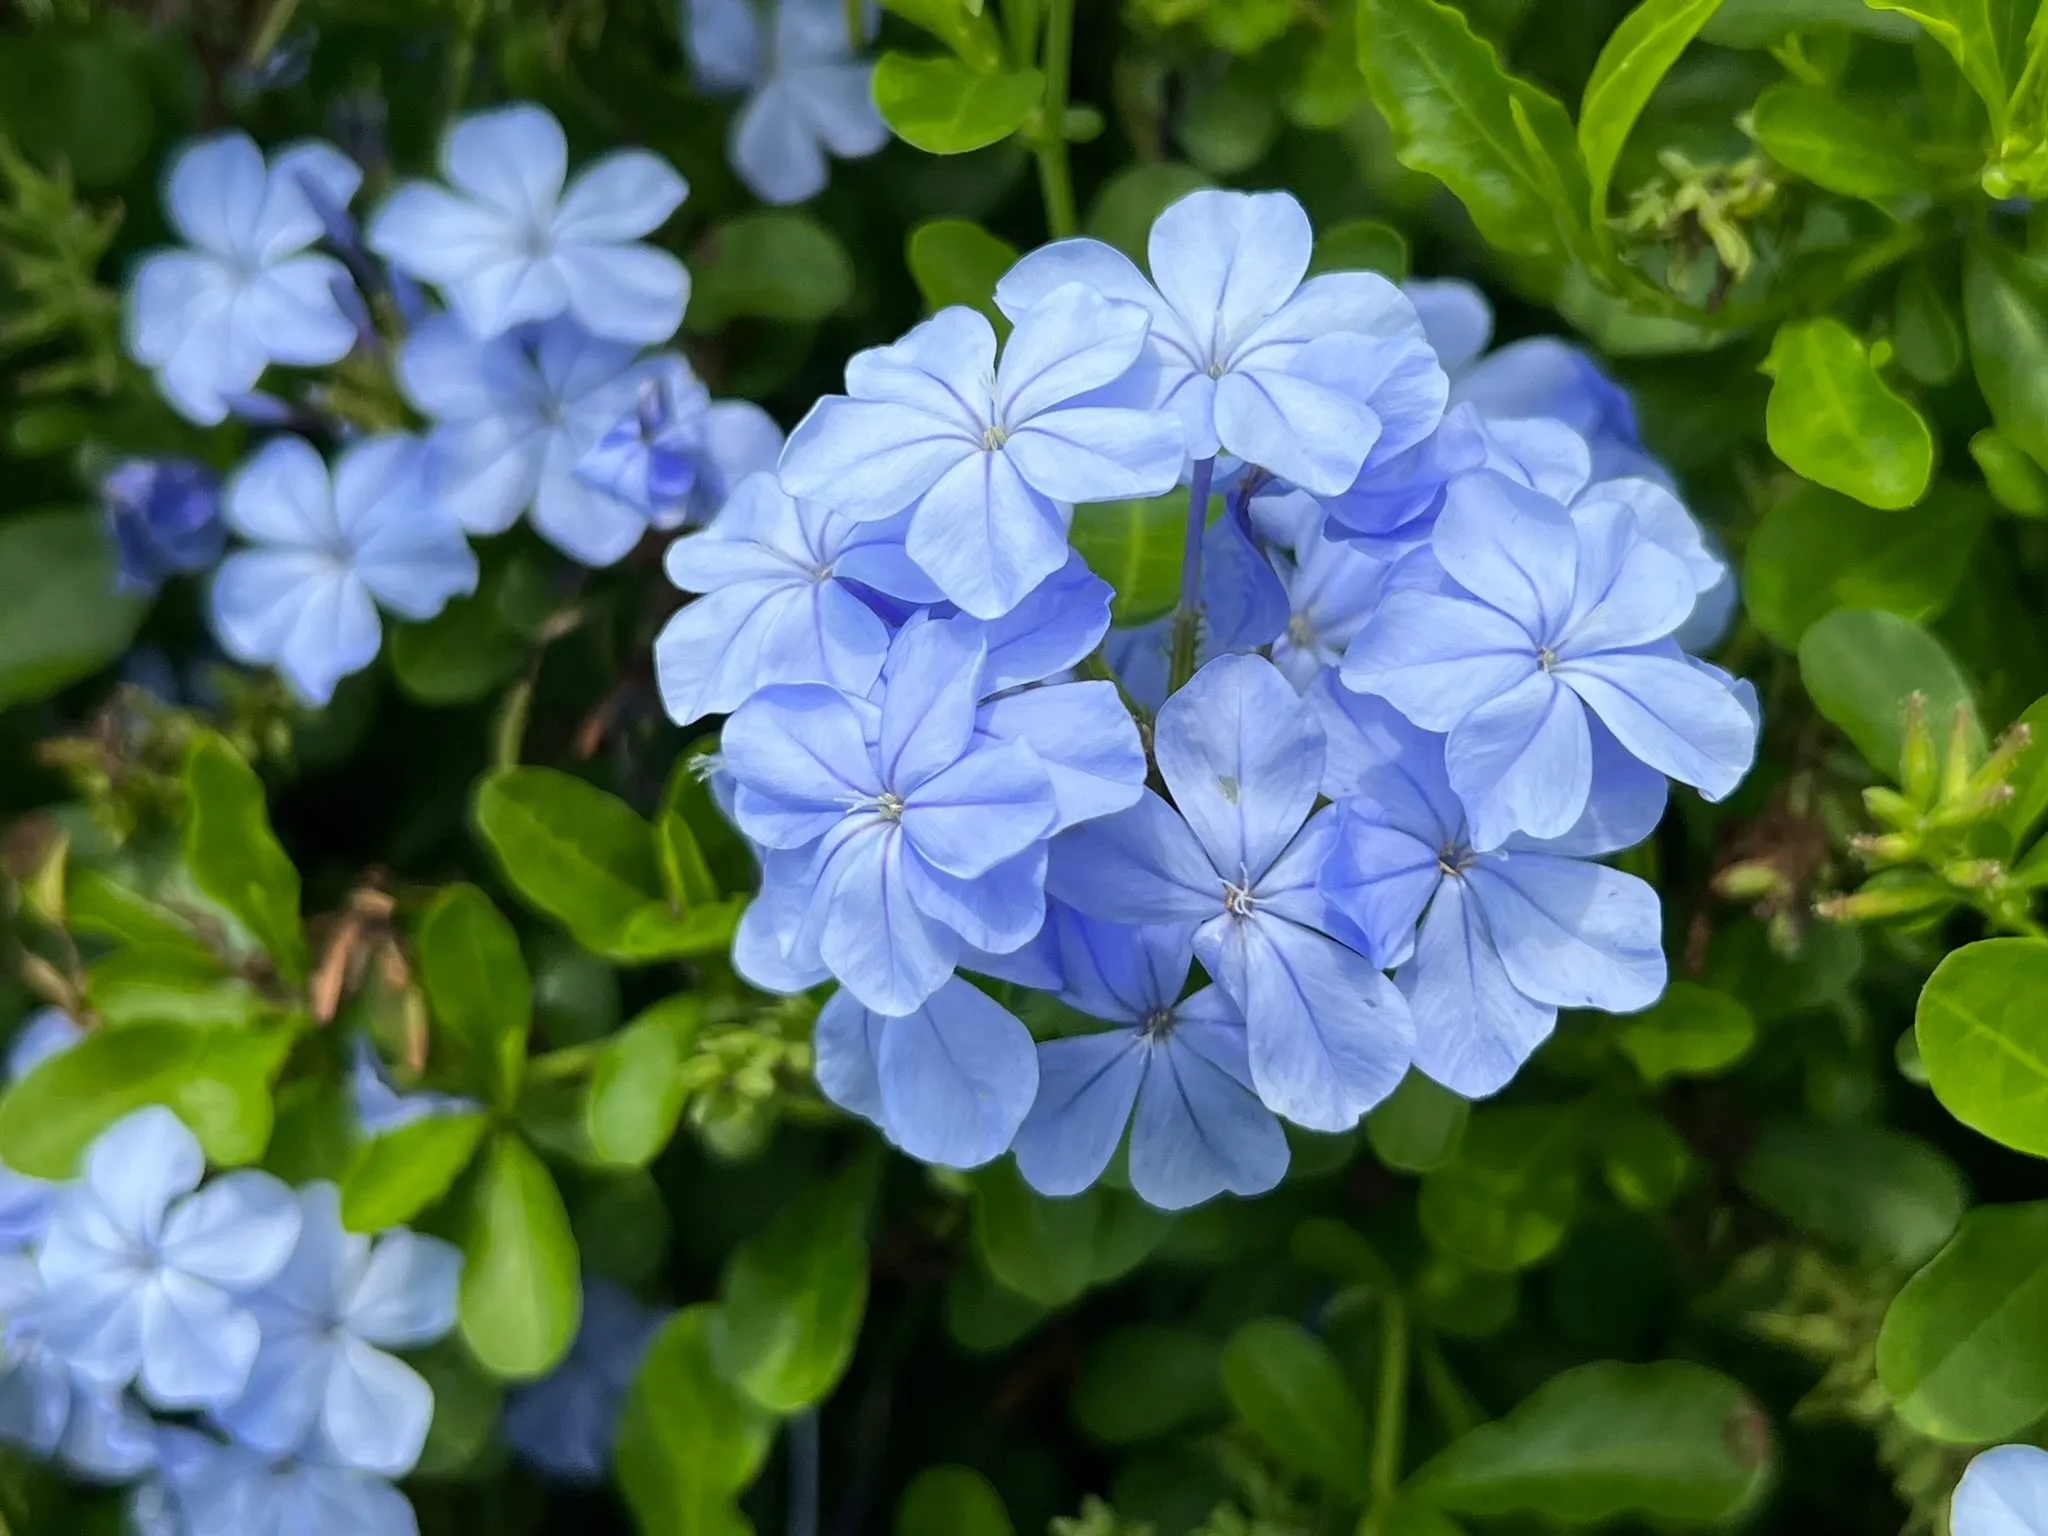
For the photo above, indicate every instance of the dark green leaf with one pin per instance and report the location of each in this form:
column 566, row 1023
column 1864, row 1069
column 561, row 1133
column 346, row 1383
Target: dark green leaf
column 2005, row 309
column 458, row 656
column 1644, row 1161
column 1982, row 1025
column 968, row 30
column 574, row 852
column 521, row 1294
column 1289, row 1391
column 1866, row 1188
column 394, row 1176
column 478, row 985
column 769, row 265
column 235, row 857
column 1507, row 1199
column 1927, row 326
column 1964, row 28
column 952, row 1501
column 1229, row 127
column 1142, row 1381
column 1691, row 1031
column 945, row 108
column 1835, row 421
column 1361, row 245
column 1419, row 1126
column 687, row 1441
column 1050, row 1251
column 60, row 617
column 1129, row 201
column 956, row 261
column 2015, row 481
column 1859, row 666
column 1135, row 546
column 1759, row 23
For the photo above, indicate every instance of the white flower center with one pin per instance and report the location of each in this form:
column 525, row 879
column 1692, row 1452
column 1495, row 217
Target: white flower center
column 1237, row 900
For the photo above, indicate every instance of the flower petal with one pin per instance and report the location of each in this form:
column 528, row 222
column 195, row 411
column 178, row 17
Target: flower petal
column 1511, row 547
column 1678, row 719
column 845, row 1041
column 1473, row 1030
column 870, row 459
column 1143, row 865
column 624, row 292
column 869, row 929
column 1522, row 762
column 213, row 195
column 376, row 1410
column 283, row 496
column 774, row 148
column 619, row 197
column 1098, row 453
column 1376, row 884
column 1573, row 933
column 931, row 683
column 237, row 1232
column 1084, row 739
column 510, row 159
column 986, row 536
column 406, row 1294
column 957, row 1078
column 1200, row 1129
column 1630, row 591
column 1086, row 1086
column 1227, row 260
column 804, row 746
column 1072, row 341
column 1294, row 427
column 197, row 1347
column 1437, row 658
column 987, row 807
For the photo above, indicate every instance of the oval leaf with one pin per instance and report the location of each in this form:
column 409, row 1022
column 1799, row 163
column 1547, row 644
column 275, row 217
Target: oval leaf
column 1859, row 666
column 521, row 1294
column 61, row 616
column 1637, row 56
column 393, row 1177
column 1288, row 1390
column 479, row 987
column 236, row 858
column 1865, row 1188
column 1982, row 1025
column 1833, row 420
column 1815, row 134
column 687, row 1440
column 944, row 108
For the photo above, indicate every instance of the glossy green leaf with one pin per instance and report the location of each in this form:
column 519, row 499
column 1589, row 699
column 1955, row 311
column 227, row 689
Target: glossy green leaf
column 1835, row 144
column 1143, row 1381
column 688, row 1441
column 792, row 1297
column 1860, row 1186
column 943, row 107
column 61, row 618
column 394, row 1176
column 1817, row 551
column 1507, row 1199
column 952, row 1501
column 478, row 986
column 2005, row 309
column 570, row 850
column 2015, row 481
column 637, row 1088
column 521, row 1295
column 1446, row 97
column 2029, row 779
column 1673, row 1441
column 1964, row 28
column 1050, row 1251
column 1418, row 1126
column 1859, row 666
column 1288, row 1390
column 771, row 264
column 102, row 908
column 1637, row 56
column 216, row 1080
column 460, row 655
column 1835, row 421
column 235, row 857
column 1963, row 1353
column 968, row 30
column 1361, row 245
column 1691, row 1031
column 1760, row 23
column 686, row 874
column 1927, row 326
column 1982, row 1025
column 956, row 261
column 1135, row 546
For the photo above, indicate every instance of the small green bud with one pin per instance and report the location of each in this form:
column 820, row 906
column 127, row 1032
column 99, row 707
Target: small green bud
column 1885, row 848
column 1917, row 767
column 1877, row 903
column 1751, row 880
column 1959, row 762
column 1890, row 807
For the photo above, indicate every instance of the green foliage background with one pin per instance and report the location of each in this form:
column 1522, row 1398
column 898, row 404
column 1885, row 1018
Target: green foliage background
column 1768, row 1256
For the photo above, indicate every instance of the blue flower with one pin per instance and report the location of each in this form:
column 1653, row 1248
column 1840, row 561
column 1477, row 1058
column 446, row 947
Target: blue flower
column 1552, row 614
column 991, row 458
column 1330, row 588
column 2004, row 1492
column 1308, row 380
column 143, row 1269
column 1392, row 505
column 97, row 1433
column 1238, row 853
column 806, row 92
column 563, row 1424
column 164, row 515
column 379, row 1107
column 1508, row 936
column 948, row 1081
column 509, row 245
column 513, row 417
column 782, row 583
column 208, row 320
column 327, row 1320
column 327, row 552
column 206, row 1488
column 919, row 838
column 676, row 456
column 1181, row 1062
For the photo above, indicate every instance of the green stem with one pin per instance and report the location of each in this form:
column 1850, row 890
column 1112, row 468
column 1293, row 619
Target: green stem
column 1390, row 1415
column 266, row 37
column 571, row 1061
column 1054, row 179
column 1453, row 1405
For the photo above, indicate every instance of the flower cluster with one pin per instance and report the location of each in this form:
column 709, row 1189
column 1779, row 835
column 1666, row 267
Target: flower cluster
column 225, row 1339
column 539, row 397
column 1425, row 672
column 2004, row 1492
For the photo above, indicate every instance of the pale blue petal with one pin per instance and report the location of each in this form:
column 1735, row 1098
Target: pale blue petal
column 289, row 312
column 297, row 611
column 1679, row 719
column 723, row 38
column 404, row 548
column 237, row 1232
column 197, row 1346
column 376, row 1410
column 1542, row 376
column 1085, row 741
column 1200, row 1129
column 1293, row 427
column 1360, row 304
column 283, row 496
column 47, row 1033
column 1072, row 341
column 836, row 101
column 1630, row 591
column 1573, row 933
column 2004, row 1492
column 405, row 1297
column 994, row 913
column 213, row 195
column 1244, row 601
column 985, row 535
column 1456, row 318
column 1624, row 806
column 281, row 1401
column 1142, row 865
column 35, row 1401
column 1227, row 260
column 1375, row 885
column 1437, row 658
column 1098, row 453
column 870, row 459
column 1544, row 456
column 867, row 925
column 631, row 293
column 1663, row 520
column 845, row 1041
column 1513, row 548
column 1375, row 754
column 1062, row 619
column 773, row 148
column 511, row 159
column 618, row 198
column 1522, row 762
column 988, row 806
column 931, row 685
column 1086, row 1086
column 763, row 946
column 943, row 367
column 1117, row 972
column 135, row 1169
column 1103, row 268
column 802, row 747
column 957, row 1078
column 1473, row 1030
column 107, row 1438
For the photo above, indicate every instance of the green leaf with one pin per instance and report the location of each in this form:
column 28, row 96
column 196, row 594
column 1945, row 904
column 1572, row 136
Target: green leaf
column 1927, row 326
column 1228, row 127
column 1418, row 1126
column 1287, row 1388
column 1760, row 23
column 169, row 984
column 217, row 1081
column 1863, row 1187
column 1964, row 28
column 521, row 1295
column 956, row 261
column 478, row 985
column 2029, row 778
column 105, row 909
column 1129, row 201
column 688, row 1441
column 792, row 1296
column 1836, row 145
column 685, row 871
column 2015, row 481
column 1691, row 1031
column 771, row 264
column 1835, row 421
column 2005, row 310
column 571, row 851
column 637, row 1088
column 1645, row 1162
column 952, row 1501
column 236, row 858
column 1816, row 551
column 1859, row 666
column 1508, row 1198
column 1135, row 546
column 61, row 618
column 1963, row 1353
column 1670, row 1441
column 968, row 30
column 1050, row 1251
column 394, row 1176
column 945, row 108
column 1982, row 1025
column 460, row 655
column 1361, row 245
column 1637, row 56
column 1141, row 1382
column 1448, row 101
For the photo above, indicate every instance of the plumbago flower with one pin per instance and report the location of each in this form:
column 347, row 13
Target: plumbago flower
column 1181, row 1062
column 1551, row 614
column 1308, row 380
column 248, row 293
column 509, row 245
column 2004, row 1492
column 676, row 456
column 327, row 550
column 1238, row 855
column 988, row 458
column 1507, row 936
column 47, row 1409
column 164, row 515
column 207, row 1488
column 807, row 94
column 564, row 1423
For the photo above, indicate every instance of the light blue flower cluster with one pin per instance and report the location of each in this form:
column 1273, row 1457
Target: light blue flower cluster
column 1438, row 680
column 236, row 1308
column 539, row 399
column 2004, row 1492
